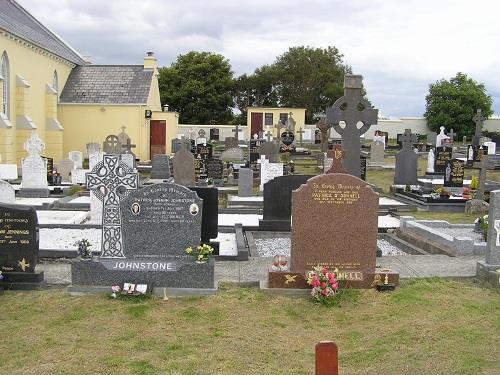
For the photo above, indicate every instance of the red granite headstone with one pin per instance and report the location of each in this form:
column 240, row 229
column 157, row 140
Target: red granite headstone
column 335, row 224
column 327, row 358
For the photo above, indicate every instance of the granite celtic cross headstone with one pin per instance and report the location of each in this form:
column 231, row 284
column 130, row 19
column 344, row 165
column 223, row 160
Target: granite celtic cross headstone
column 351, row 109
column 111, row 180
column 112, row 145
column 406, row 161
column 479, row 120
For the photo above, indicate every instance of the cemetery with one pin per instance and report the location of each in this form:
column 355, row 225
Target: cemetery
column 275, row 247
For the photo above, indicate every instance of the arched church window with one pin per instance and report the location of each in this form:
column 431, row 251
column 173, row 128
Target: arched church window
column 4, row 63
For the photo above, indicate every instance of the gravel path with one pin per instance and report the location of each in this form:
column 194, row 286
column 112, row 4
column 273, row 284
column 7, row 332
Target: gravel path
column 270, row 247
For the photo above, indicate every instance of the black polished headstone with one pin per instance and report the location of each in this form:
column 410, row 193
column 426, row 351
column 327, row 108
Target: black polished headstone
column 50, row 169
column 442, row 154
column 214, row 169
column 214, row 134
column 362, row 165
column 19, row 238
column 205, row 151
column 255, row 145
column 210, row 215
column 277, row 194
column 454, row 173
column 287, row 138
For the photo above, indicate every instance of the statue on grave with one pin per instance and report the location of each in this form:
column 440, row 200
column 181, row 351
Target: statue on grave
column 430, row 161
column 351, row 109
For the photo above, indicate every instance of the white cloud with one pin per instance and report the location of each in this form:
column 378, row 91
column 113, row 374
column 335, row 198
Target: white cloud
column 400, row 47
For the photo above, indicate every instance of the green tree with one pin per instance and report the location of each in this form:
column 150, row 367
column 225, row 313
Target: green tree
column 257, row 89
column 199, row 86
column 302, row 77
column 310, row 78
column 454, row 103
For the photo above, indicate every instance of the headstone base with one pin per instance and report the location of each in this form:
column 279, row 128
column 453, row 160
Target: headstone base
column 275, row 225
column 188, row 274
column 297, row 280
column 33, row 193
column 489, row 273
column 23, row 281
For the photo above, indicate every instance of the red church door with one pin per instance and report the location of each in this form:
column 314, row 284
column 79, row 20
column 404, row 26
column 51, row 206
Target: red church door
column 158, row 137
column 256, row 123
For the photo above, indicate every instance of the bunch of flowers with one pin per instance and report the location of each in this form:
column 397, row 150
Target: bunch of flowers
column 115, row 289
column 84, row 248
column 324, row 284
column 483, row 224
column 202, row 252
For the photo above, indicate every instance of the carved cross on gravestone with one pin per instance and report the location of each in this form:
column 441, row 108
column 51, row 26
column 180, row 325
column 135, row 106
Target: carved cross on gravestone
column 482, row 166
column 112, row 145
column 478, row 119
column 337, row 155
column 236, row 132
column 111, row 180
column 268, row 136
column 351, row 109
column 324, row 127
column 408, row 140
column 301, row 135
column 127, row 147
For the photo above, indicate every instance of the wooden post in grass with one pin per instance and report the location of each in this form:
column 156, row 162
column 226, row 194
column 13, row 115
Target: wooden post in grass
column 327, row 358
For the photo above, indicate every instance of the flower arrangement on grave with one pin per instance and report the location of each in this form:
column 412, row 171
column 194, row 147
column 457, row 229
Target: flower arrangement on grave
column 115, row 289
column 83, row 248
column 201, row 253
column 442, row 192
column 324, row 284
column 280, row 263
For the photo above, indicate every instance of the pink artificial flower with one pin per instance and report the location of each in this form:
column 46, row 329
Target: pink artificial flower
column 315, row 282
column 324, row 285
column 335, row 285
column 324, row 292
column 324, row 270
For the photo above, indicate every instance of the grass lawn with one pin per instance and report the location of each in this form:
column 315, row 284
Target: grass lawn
column 425, row 327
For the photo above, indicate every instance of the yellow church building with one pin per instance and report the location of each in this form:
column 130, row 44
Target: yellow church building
column 48, row 87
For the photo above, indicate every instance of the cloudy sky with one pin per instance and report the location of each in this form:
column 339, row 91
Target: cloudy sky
column 399, row 46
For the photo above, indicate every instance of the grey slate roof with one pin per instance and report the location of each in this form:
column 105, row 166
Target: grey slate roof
column 107, row 84
column 18, row 21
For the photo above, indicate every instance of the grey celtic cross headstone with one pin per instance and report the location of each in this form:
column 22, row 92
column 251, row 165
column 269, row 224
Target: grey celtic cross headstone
column 112, row 145
column 268, row 136
column 482, row 166
column 351, row 109
column 127, row 147
column 408, row 140
column 236, row 132
column 479, row 120
column 301, row 135
column 406, row 161
column 324, row 127
column 111, row 180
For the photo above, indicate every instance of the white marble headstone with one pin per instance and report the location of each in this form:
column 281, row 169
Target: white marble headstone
column 34, row 167
column 492, row 147
column 77, row 157
column 7, row 193
column 8, row 171
column 268, row 171
column 65, row 167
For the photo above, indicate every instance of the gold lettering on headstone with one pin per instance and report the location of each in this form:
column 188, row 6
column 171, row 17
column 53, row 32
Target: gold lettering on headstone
column 335, row 193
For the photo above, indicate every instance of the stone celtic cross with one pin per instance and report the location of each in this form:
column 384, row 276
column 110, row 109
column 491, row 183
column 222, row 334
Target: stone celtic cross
column 483, row 167
column 408, row 140
column 351, row 109
column 111, row 180
column 236, row 132
column 478, row 119
column 324, row 127
column 127, row 147
column 112, row 145
column 268, row 136
column 34, row 145
column 278, row 126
